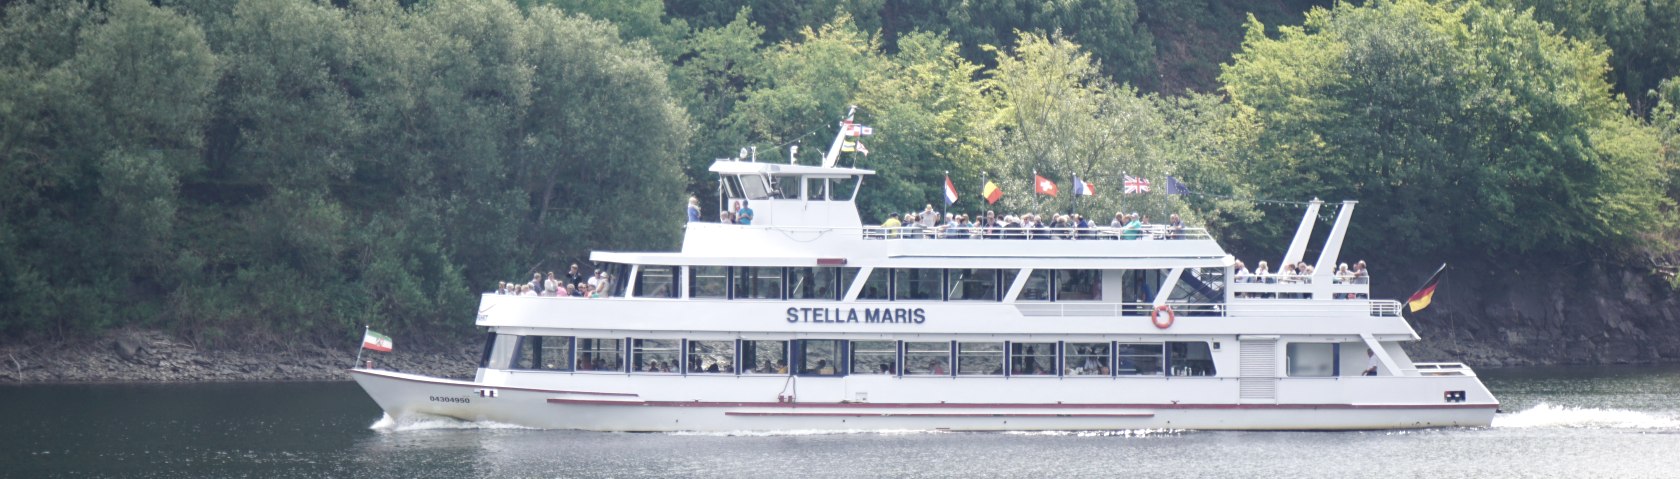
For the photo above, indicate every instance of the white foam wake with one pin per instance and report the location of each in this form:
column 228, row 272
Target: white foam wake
column 808, row 432
column 1546, row 415
column 1104, row 433
column 422, row 422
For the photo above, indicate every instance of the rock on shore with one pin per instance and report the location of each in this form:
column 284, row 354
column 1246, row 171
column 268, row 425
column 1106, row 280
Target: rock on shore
column 152, row 356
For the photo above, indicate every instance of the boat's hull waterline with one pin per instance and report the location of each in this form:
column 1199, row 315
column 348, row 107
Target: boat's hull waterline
column 403, row 396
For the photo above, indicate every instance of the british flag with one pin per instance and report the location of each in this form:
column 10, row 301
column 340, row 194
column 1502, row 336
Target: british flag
column 1136, row 185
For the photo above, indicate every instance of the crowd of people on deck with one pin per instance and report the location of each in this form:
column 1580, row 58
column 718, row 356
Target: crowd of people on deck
column 574, row 283
column 933, row 224
column 1298, row 273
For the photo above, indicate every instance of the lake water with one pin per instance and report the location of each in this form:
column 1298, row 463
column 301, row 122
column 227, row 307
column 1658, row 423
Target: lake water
column 1560, row 422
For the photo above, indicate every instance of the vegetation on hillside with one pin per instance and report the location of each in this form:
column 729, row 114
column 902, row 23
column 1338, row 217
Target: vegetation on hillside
column 289, row 170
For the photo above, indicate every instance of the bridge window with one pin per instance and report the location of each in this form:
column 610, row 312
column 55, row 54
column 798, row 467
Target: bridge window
column 711, row 357
column 765, row 357
column 656, row 282
column 753, row 187
column 819, row 357
column 927, row 358
column 1032, row 359
column 974, row 285
column 816, row 189
column 656, row 356
column 979, row 359
column 786, row 187
column 600, row 354
column 1087, row 359
column 874, row 357
column 1078, row 285
column 1190, row 359
column 814, row 283
column 843, row 189
column 1312, row 359
column 915, row 284
column 1139, row 359
column 548, row 353
column 1037, row 287
column 758, row 283
column 708, row 282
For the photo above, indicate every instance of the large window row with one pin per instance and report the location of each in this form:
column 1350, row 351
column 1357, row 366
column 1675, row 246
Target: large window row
column 833, row 357
column 882, row 284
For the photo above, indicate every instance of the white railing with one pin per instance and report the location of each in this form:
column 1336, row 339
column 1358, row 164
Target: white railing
column 1442, row 369
column 1147, row 232
column 1385, row 308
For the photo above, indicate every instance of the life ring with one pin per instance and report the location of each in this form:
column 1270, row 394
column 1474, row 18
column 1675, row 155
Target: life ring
column 1155, row 316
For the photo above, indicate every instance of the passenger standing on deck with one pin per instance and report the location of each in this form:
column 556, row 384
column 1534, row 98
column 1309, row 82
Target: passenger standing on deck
column 1370, row 363
column 745, row 215
column 1175, row 227
column 693, row 209
column 573, row 276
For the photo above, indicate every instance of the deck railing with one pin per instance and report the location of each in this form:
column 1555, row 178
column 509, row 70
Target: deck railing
column 1441, row 369
column 1147, row 232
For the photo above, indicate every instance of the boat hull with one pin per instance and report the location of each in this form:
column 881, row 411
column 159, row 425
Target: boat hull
column 404, row 396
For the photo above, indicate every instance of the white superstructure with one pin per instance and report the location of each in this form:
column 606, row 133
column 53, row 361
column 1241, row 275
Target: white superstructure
column 807, row 319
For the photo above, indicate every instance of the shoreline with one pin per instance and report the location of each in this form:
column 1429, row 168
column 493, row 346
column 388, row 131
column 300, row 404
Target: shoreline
column 156, row 357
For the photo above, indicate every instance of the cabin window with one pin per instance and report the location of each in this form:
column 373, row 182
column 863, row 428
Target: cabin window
column 711, row 357
column 1189, row 359
column 753, row 187
column 547, row 353
column 1032, row 359
column 1200, row 285
column 877, row 286
column 1037, row 287
column 979, row 359
column 816, row 189
column 1142, row 284
column 913, row 284
column 656, row 282
column 1312, row 360
column 927, row 358
column 656, row 356
column 974, row 285
column 708, row 282
column 765, row 357
column 1086, row 359
column 813, row 283
column 786, row 187
column 874, row 357
column 1078, row 285
column 617, row 280
column 758, row 283
column 843, row 189
column 819, row 357
column 489, row 348
column 596, row 354
column 1139, row 359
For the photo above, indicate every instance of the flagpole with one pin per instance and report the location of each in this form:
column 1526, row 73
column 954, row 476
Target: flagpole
column 945, row 213
column 359, row 345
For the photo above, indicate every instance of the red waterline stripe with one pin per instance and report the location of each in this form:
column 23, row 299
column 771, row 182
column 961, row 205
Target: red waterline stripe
column 889, row 414
column 1012, row 405
column 486, row 386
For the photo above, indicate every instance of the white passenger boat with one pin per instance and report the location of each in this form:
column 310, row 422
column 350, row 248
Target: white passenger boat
column 808, row 320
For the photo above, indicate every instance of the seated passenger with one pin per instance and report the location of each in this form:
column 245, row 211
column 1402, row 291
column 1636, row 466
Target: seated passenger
column 765, row 368
column 938, row 367
column 781, row 367
column 824, row 368
column 885, row 369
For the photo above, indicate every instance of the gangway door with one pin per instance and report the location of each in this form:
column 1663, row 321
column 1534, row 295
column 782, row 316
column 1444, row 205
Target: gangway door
column 1257, row 380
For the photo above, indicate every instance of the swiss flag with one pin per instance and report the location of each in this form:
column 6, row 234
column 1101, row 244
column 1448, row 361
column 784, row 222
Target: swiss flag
column 1044, row 186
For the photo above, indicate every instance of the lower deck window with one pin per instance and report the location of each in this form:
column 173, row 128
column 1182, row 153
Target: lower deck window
column 819, row 357
column 656, row 356
column 595, row 354
column 874, row 357
column 927, row 358
column 1190, row 358
column 1087, row 359
column 1312, row 359
column 979, row 359
column 765, row 357
column 711, row 357
column 1032, row 359
column 1139, row 359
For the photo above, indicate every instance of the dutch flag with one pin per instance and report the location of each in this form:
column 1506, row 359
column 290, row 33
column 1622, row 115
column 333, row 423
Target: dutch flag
column 950, row 192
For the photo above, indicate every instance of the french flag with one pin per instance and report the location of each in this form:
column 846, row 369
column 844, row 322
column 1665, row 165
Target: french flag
column 950, row 192
column 1083, row 188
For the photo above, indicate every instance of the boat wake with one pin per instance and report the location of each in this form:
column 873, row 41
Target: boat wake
column 1549, row 416
column 423, row 422
column 1114, row 433
column 809, row 432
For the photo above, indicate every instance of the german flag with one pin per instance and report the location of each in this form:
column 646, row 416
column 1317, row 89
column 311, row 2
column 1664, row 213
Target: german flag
column 1421, row 298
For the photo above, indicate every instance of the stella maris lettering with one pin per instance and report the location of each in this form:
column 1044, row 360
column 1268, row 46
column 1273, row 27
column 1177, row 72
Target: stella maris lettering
column 856, row 315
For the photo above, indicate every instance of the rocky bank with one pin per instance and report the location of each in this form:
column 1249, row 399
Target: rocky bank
column 151, row 356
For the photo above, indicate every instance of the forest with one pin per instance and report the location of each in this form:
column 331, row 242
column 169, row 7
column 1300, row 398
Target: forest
column 258, row 173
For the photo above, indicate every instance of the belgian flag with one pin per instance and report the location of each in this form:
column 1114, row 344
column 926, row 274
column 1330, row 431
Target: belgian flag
column 1421, row 298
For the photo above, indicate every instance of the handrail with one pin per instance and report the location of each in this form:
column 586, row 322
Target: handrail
column 1147, row 232
column 1441, row 369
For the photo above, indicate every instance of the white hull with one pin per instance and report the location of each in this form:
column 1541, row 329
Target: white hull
column 404, row 395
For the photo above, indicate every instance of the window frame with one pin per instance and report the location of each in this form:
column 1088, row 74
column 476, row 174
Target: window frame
column 945, row 358
column 890, row 351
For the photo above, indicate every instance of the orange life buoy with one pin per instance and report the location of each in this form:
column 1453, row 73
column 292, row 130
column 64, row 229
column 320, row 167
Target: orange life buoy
column 1155, row 316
